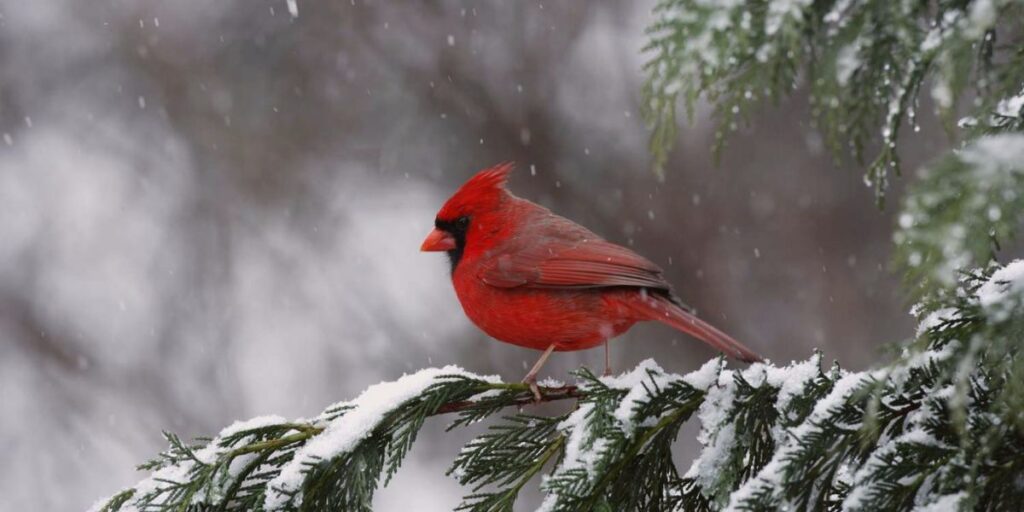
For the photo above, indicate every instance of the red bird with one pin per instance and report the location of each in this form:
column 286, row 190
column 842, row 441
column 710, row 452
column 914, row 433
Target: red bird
column 532, row 278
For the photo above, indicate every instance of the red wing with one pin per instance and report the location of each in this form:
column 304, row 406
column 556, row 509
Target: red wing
column 581, row 263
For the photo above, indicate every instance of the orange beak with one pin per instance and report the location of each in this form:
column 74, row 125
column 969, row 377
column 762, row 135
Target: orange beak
column 438, row 241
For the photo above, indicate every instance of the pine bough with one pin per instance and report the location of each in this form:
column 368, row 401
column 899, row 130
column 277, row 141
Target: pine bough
column 863, row 63
column 941, row 428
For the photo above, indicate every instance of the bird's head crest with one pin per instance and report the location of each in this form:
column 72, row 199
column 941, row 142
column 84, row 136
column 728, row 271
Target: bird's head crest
column 483, row 192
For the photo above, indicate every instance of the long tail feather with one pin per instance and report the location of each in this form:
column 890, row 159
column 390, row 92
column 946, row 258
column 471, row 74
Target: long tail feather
column 662, row 309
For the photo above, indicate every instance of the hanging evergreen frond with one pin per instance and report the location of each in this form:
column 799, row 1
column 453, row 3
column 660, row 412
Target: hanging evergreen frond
column 864, row 63
column 961, row 210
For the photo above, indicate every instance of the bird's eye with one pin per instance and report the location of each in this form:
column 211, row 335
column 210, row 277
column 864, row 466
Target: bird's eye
column 462, row 222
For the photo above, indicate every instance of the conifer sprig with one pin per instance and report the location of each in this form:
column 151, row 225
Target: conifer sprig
column 864, row 63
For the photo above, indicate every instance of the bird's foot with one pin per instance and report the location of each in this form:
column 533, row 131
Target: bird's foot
column 607, row 360
column 531, row 376
column 534, row 388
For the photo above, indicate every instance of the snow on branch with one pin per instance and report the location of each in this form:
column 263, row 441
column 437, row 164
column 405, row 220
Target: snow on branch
column 863, row 62
column 942, row 424
column 961, row 209
column 268, row 463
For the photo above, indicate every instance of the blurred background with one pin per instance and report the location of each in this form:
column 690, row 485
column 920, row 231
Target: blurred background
column 210, row 210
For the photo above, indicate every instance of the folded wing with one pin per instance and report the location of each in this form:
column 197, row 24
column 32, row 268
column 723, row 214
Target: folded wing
column 569, row 257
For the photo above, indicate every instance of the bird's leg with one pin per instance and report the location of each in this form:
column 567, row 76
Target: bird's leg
column 531, row 376
column 607, row 360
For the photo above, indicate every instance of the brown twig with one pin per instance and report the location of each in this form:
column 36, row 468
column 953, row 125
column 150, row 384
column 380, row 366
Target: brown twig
column 547, row 395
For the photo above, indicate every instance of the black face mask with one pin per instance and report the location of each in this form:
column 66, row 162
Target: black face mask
column 457, row 229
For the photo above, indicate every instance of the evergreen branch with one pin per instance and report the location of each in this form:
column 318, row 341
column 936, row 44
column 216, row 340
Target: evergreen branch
column 673, row 420
column 234, row 489
column 960, row 211
column 548, row 394
column 612, row 429
column 187, row 476
column 864, row 62
column 940, row 426
column 509, row 456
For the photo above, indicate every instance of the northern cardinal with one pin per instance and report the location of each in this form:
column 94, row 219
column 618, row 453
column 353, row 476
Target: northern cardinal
column 532, row 278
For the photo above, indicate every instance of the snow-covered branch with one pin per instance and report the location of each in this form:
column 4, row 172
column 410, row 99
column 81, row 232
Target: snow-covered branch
column 961, row 209
column 942, row 424
column 863, row 62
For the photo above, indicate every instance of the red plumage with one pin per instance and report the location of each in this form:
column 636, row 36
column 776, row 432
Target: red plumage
column 532, row 278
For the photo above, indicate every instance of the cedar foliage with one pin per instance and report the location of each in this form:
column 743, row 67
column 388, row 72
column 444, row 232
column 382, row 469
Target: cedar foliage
column 939, row 427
